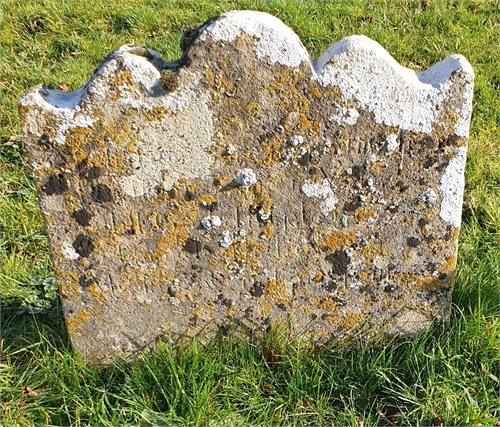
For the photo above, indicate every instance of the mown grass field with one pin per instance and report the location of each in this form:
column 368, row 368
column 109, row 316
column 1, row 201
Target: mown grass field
column 449, row 374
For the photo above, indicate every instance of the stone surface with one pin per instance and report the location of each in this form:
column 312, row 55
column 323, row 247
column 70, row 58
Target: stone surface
column 248, row 182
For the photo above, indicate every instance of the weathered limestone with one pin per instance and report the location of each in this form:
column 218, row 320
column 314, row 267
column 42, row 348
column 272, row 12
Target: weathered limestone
column 249, row 183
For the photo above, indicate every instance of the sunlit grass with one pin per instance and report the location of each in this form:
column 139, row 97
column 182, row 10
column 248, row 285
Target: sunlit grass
column 449, row 372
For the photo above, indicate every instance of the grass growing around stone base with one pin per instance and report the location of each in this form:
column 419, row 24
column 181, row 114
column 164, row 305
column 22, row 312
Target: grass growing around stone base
column 447, row 374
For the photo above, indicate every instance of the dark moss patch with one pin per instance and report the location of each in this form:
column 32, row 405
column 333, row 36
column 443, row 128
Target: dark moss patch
column 169, row 80
column 94, row 172
column 257, row 289
column 330, row 286
column 413, row 242
column 85, row 282
column 82, row 217
column 83, row 245
column 44, row 141
column 340, row 262
column 56, row 184
column 358, row 171
column 352, row 206
column 101, row 193
column 192, row 246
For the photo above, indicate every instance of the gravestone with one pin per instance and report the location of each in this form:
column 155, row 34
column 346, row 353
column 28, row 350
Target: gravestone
column 247, row 183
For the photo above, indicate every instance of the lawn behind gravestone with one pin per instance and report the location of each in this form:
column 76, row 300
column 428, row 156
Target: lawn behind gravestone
column 446, row 375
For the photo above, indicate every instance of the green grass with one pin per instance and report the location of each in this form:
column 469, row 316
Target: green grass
column 450, row 372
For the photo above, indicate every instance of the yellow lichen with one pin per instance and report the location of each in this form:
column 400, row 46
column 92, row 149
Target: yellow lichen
column 72, row 203
column 267, row 230
column 370, row 251
column 254, row 109
column 231, row 311
column 318, row 277
column 449, row 265
column 156, row 113
column 352, row 320
column 206, row 200
column 74, row 324
column 328, row 304
column 205, row 312
column 245, row 252
column 96, row 292
column 336, row 240
column 364, row 213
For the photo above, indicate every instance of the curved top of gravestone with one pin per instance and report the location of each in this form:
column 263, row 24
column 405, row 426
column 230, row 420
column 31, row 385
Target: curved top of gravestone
column 359, row 66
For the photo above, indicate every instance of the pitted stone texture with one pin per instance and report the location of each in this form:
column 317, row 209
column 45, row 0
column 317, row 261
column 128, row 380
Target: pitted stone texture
column 250, row 183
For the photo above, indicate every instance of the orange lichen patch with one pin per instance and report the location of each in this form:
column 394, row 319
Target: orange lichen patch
column 123, row 79
column 285, row 87
column 312, row 127
column 318, row 277
column 176, row 237
column 276, row 289
column 213, row 261
column 256, row 197
column 162, row 277
column 300, row 291
column 96, row 292
column 328, row 304
column 48, row 218
column 42, row 172
column 75, row 138
column 254, row 109
column 219, row 181
column 156, row 220
column 437, row 246
column 430, row 214
column 426, row 230
column 127, row 225
column 156, row 113
column 206, row 200
column 424, row 282
column 209, row 78
column 118, row 132
column 68, row 283
column 370, row 251
column 245, row 252
column 205, row 312
column 364, row 277
column 184, row 215
column 337, row 240
column 364, row 213
column 272, row 147
column 72, row 203
column 267, row 230
column 315, row 90
column 74, row 324
column 408, row 222
column 407, row 255
column 352, row 320
column 449, row 265
column 454, row 235
column 23, row 110
column 231, row 311
column 314, row 300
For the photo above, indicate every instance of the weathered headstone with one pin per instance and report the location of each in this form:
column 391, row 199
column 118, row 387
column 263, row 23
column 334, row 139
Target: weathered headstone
column 249, row 182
